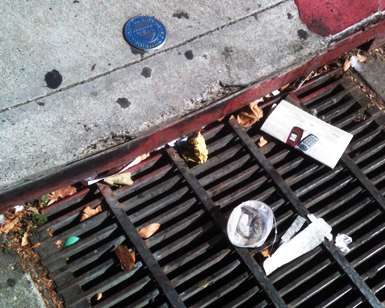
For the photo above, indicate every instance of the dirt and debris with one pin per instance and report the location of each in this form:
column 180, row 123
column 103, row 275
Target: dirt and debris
column 19, row 225
column 126, row 258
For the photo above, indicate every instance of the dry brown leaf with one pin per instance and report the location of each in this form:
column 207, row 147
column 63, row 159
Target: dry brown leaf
column 24, row 240
column 98, row 296
column 59, row 244
column 249, row 115
column 36, row 245
column 62, row 193
column 126, row 258
column 9, row 226
column 346, row 64
column 50, row 232
column 220, row 119
column 144, row 156
column 265, row 253
column 262, row 142
column 361, row 58
column 146, row 232
column 33, row 210
column 89, row 212
column 119, row 179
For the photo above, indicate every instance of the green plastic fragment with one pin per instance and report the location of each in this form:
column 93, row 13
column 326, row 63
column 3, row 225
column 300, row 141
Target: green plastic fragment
column 71, row 240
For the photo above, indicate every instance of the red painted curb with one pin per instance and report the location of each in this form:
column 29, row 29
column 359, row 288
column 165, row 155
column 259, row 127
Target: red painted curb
column 329, row 17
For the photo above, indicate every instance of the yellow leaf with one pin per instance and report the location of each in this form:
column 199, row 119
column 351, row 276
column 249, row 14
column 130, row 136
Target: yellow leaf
column 146, row 232
column 346, row 64
column 284, row 87
column 98, row 296
column 119, row 179
column 262, row 142
column 88, row 212
column 62, row 193
column 196, row 150
column 9, row 226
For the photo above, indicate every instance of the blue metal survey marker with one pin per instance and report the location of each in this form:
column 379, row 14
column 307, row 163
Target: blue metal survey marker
column 145, row 33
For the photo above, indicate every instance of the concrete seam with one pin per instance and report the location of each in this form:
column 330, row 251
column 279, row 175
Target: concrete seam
column 148, row 57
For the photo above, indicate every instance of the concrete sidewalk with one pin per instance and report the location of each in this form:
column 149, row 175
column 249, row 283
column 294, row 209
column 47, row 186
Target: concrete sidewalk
column 71, row 86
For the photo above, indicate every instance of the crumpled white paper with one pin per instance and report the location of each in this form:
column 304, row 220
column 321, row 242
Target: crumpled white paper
column 302, row 243
column 18, row 208
column 2, row 220
column 342, row 242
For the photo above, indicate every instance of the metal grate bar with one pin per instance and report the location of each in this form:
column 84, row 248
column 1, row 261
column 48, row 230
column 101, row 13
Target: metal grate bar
column 286, row 190
column 215, row 213
column 131, row 234
column 364, row 180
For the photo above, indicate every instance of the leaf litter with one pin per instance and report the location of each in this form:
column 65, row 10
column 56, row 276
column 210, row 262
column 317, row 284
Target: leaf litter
column 18, row 224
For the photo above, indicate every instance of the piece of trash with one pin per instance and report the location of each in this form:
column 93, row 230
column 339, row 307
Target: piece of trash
column 342, row 241
column 18, row 208
column 306, row 133
column 148, row 231
column 346, row 64
column 294, row 228
column 276, row 92
column 62, row 193
column 249, row 224
column 71, row 240
column 9, row 226
column 89, row 212
column 98, row 296
column 36, row 245
column 302, row 243
column 265, row 253
column 24, row 240
column 126, row 258
column 357, row 64
column 196, row 150
column 249, row 115
column 2, row 220
column 119, row 179
column 262, row 142
column 284, row 87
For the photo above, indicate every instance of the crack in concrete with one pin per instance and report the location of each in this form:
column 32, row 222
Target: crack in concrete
column 253, row 14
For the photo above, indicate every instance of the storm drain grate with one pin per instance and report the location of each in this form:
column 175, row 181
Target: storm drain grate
column 189, row 262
